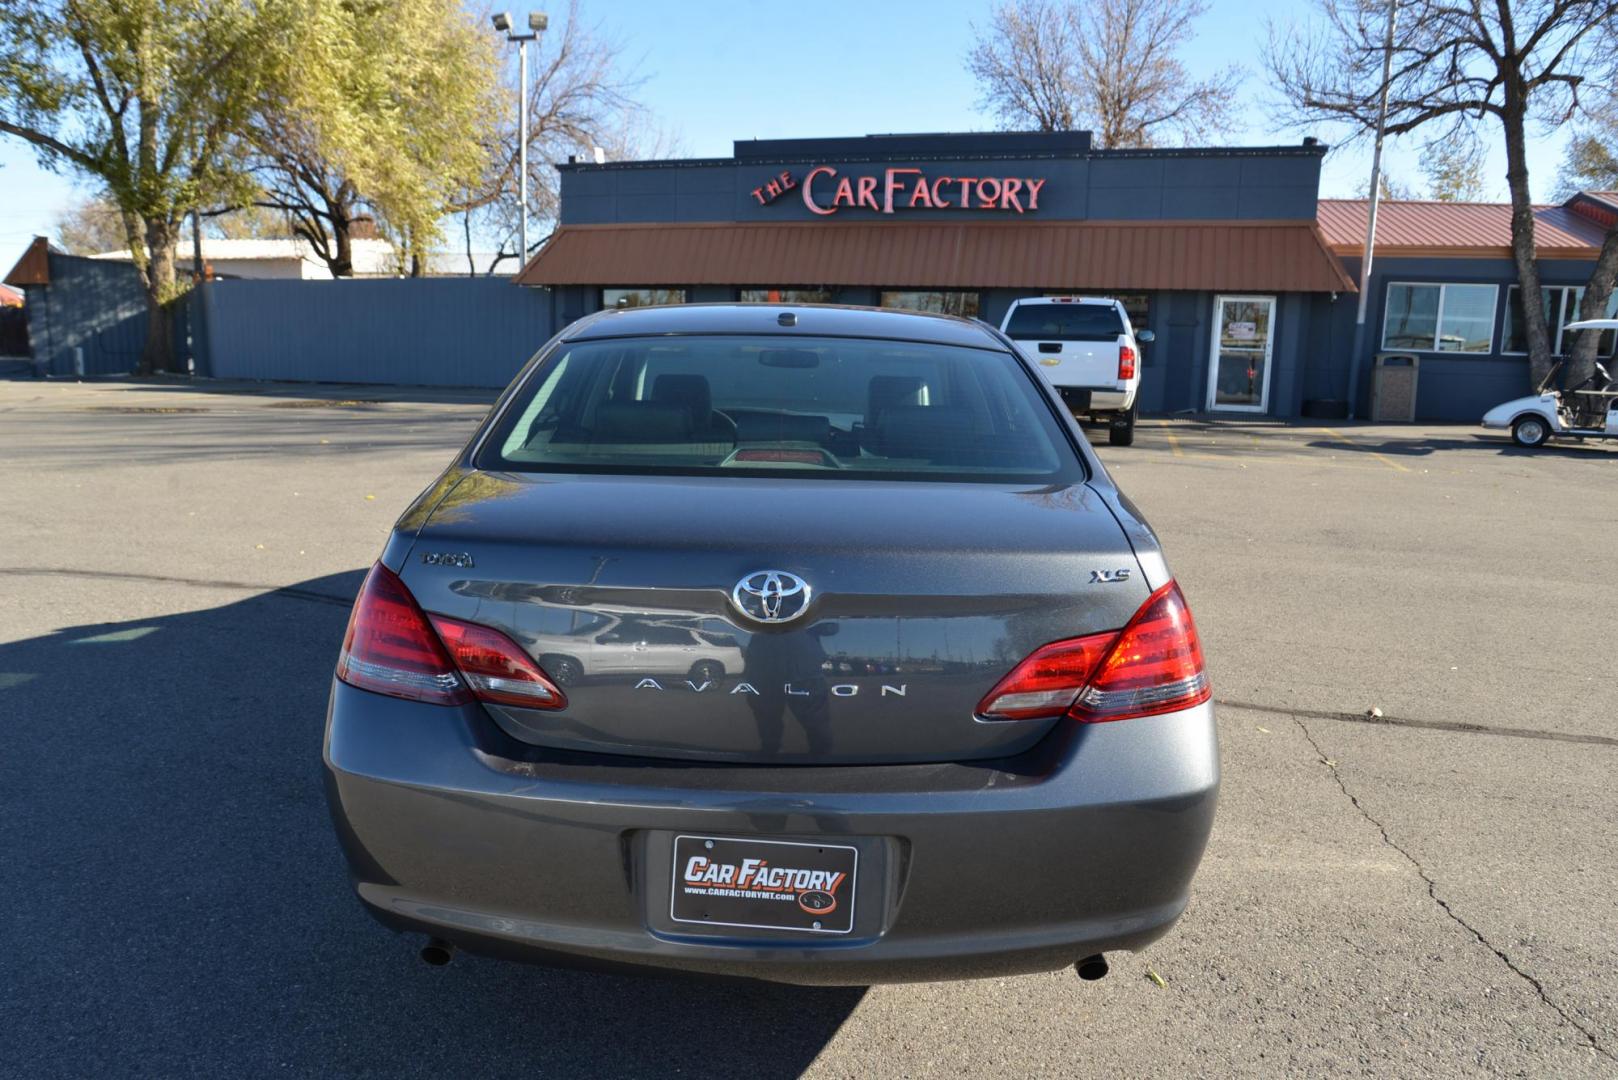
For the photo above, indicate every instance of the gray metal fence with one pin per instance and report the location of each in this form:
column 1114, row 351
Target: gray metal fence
column 93, row 305
column 424, row 332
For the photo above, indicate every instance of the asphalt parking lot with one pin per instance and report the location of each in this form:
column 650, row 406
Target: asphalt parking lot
column 1427, row 891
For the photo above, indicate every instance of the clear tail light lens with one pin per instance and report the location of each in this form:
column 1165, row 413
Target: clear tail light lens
column 1126, row 362
column 392, row 647
column 1153, row 665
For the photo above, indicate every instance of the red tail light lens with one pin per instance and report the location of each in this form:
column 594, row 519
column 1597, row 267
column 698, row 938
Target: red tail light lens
column 1126, row 362
column 1046, row 683
column 497, row 668
column 394, row 648
column 391, row 648
column 1153, row 665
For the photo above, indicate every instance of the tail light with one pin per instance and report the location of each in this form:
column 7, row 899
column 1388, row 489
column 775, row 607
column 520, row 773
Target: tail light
column 392, row 647
column 497, row 668
column 1153, row 665
column 1126, row 362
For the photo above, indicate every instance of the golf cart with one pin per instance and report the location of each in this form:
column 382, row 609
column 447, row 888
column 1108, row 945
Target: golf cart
column 1586, row 411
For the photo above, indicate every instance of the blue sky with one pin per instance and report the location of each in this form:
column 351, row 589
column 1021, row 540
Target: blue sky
column 716, row 72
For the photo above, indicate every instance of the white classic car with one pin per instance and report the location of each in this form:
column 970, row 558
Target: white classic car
column 1586, row 411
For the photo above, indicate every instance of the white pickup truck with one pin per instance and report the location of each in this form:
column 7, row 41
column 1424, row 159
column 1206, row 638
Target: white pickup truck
column 1088, row 350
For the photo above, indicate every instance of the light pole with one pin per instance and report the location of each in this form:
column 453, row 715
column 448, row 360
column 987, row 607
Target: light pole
column 537, row 22
column 1370, row 215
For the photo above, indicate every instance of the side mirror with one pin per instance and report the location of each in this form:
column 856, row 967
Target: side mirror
column 1145, row 337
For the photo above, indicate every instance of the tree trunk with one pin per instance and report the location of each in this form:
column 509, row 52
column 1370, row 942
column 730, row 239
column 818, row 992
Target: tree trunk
column 1522, row 235
column 342, row 262
column 1581, row 360
column 158, row 354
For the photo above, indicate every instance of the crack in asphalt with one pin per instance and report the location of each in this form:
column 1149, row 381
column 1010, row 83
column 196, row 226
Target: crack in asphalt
column 1453, row 726
column 1432, row 892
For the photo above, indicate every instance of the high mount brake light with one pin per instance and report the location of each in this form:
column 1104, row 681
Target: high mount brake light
column 1153, row 665
column 1126, row 362
column 392, row 647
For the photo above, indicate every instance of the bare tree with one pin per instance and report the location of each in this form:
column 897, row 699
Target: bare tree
column 91, row 226
column 1456, row 67
column 1110, row 65
column 581, row 96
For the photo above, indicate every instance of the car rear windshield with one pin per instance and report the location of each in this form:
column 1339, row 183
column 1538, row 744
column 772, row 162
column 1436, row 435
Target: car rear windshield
column 1065, row 322
column 810, row 407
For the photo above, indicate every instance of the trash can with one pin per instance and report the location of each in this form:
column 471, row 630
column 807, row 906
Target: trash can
column 1393, row 388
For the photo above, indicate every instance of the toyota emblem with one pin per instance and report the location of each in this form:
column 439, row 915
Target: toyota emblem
column 771, row 596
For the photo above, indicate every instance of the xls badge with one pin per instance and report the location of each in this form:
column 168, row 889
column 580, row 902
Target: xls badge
column 765, row 884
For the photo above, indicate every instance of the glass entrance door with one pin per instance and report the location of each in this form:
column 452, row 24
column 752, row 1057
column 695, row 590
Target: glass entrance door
column 1239, row 369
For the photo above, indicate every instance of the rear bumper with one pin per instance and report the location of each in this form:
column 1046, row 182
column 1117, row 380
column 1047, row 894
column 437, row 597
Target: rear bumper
column 1085, row 844
column 1097, row 399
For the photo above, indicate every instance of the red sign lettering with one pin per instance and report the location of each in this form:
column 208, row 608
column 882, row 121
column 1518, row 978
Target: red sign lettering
column 903, row 188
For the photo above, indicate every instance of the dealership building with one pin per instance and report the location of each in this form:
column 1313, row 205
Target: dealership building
column 1245, row 276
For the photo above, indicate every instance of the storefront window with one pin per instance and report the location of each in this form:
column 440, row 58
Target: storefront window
column 1439, row 318
column 786, row 296
column 1561, row 307
column 1138, row 305
column 964, row 304
column 628, row 298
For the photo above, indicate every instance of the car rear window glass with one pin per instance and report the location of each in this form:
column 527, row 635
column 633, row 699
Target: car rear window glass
column 802, row 406
column 1065, row 322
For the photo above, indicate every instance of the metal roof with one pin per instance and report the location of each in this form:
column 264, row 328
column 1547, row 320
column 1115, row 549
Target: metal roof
column 1455, row 229
column 1268, row 256
column 828, row 320
column 34, row 268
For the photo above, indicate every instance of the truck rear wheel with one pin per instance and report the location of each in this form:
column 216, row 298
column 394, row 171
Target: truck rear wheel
column 1121, row 428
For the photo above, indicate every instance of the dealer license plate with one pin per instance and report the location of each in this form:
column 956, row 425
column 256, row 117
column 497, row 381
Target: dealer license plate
column 765, row 884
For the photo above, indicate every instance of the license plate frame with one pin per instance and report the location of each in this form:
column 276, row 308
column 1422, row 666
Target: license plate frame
column 794, row 879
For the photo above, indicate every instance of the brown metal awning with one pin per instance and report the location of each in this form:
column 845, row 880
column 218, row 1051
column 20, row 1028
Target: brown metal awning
column 1246, row 256
column 34, row 267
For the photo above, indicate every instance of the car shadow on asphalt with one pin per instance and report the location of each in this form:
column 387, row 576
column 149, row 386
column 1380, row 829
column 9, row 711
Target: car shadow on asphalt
column 179, row 904
column 1499, row 446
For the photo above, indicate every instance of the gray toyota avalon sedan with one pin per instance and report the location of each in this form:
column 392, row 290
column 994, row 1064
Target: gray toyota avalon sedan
column 809, row 644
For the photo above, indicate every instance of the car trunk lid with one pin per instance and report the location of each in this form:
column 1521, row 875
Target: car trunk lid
column 921, row 596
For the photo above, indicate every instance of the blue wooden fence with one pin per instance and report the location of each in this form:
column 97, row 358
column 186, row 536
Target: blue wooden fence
column 96, row 305
column 421, row 332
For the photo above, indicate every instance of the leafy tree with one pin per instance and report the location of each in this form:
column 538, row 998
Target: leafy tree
column 1388, row 187
column 1110, row 65
column 1591, row 163
column 145, row 97
column 1457, row 68
column 1454, row 168
column 393, row 123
